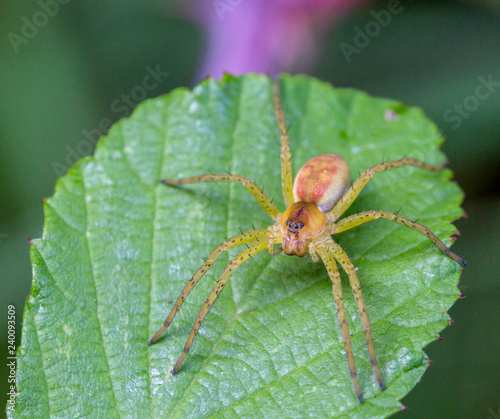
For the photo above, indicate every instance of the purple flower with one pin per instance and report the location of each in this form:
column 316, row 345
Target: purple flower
column 265, row 36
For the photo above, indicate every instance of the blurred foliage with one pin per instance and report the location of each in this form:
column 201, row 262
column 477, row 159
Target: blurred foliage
column 431, row 55
column 66, row 78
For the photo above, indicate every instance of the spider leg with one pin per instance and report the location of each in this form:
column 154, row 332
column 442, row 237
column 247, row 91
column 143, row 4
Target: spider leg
column 341, row 256
column 274, row 237
column 247, row 237
column 363, row 217
column 358, row 185
column 286, row 157
column 255, row 190
column 331, row 266
column 273, row 251
column 253, row 248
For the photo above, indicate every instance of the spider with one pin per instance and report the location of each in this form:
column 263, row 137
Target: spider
column 319, row 196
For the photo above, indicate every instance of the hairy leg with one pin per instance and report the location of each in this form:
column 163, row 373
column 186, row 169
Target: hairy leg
column 341, row 256
column 363, row 217
column 247, row 237
column 331, row 266
column 286, row 157
column 244, row 255
column 358, row 185
column 256, row 191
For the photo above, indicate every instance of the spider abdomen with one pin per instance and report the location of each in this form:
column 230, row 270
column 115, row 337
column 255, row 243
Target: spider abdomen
column 322, row 181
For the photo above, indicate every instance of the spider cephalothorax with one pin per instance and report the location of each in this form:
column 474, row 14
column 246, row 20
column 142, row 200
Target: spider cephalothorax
column 301, row 222
column 319, row 196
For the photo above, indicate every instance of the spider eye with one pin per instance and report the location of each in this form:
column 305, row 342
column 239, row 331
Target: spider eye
column 294, row 227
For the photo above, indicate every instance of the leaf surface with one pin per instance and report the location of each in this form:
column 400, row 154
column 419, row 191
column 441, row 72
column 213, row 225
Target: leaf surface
column 118, row 247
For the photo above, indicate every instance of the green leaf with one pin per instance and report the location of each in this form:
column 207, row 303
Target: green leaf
column 118, row 247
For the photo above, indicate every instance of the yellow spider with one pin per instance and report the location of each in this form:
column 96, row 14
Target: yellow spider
column 320, row 195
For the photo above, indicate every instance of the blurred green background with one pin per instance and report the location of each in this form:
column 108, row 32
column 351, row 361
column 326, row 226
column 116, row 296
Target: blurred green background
column 81, row 70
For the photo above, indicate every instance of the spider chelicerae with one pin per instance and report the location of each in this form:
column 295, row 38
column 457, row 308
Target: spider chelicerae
column 319, row 195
